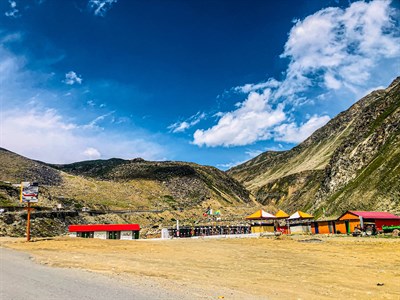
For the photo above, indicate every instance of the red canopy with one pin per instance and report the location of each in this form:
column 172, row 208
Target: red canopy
column 374, row 214
column 104, row 227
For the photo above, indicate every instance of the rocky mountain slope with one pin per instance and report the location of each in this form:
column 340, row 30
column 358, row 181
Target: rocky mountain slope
column 353, row 162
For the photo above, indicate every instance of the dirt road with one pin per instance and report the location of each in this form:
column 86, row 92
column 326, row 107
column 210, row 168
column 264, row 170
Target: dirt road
column 263, row 268
column 21, row 278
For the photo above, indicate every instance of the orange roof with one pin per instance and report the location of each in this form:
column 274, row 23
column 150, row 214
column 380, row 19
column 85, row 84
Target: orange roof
column 281, row 214
column 260, row 215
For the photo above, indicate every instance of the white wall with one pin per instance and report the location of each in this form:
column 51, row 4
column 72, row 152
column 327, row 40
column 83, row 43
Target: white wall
column 165, row 233
column 100, row 235
column 126, row 235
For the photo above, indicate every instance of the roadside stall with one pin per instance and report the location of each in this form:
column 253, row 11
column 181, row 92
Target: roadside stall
column 263, row 221
column 300, row 222
column 281, row 222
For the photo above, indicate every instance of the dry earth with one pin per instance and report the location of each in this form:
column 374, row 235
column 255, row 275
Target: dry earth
column 251, row 268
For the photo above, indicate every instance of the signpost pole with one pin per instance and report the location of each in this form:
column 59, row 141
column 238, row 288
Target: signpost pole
column 29, row 193
column 28, row 223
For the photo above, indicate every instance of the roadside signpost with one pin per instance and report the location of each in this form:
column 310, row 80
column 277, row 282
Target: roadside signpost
column 29, row 194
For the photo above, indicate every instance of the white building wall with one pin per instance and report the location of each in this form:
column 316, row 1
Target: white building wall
column 165, row 233
column 126, row 235
column 100, row 235
column 296, row 229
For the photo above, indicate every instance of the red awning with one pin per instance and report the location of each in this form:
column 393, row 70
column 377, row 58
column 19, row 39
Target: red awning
column 374, row 214
column 104, row 227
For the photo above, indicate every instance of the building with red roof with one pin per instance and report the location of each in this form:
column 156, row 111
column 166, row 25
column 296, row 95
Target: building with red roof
column 106, row 231
column 362, row 219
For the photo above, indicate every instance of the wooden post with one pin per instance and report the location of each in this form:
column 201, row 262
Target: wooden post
column 28, row 223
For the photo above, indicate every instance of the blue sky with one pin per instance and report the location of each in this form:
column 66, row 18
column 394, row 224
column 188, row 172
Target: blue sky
column 213, row 82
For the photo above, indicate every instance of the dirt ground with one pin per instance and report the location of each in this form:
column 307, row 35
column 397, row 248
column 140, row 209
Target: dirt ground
column 246, row 268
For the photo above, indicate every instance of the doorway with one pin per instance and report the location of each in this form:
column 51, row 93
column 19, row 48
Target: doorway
column 114, row 235
column 316, row 227
column 347, row 223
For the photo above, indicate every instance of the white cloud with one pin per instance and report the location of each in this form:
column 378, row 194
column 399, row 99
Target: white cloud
column 331, row 82
column 100, row 7
column 249, row 123
column 71, row 78
column 247, row 88
column 47, row 136
column 94, row 124
column 13, row 12
column 335, row 50
column 190, row 122
column 92, row 153
column 249, row 155
column 231, row 164
column 179, row 127
column 342, row 44
column 291, row 133
column 253, row 153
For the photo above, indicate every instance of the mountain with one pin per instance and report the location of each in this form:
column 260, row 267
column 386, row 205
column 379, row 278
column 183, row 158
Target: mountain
column 183, row 184
column 353, row 162
column 124, row 184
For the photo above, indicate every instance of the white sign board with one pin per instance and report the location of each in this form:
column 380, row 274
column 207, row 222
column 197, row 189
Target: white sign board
column 126, row 235
column 29, row 192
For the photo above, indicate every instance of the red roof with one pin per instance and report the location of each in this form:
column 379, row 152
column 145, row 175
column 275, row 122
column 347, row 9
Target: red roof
column 374, row 214
column 104, row 227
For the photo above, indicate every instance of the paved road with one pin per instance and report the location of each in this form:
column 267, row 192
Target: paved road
column 21, row 279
